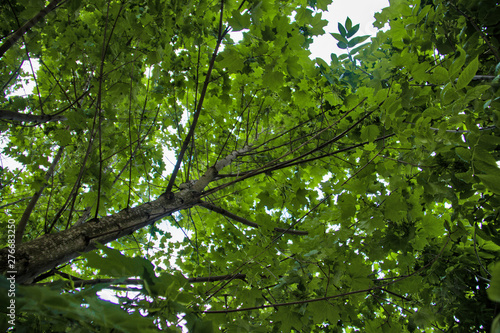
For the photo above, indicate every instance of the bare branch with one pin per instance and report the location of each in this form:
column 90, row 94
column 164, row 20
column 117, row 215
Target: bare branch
column 34, row 199
column 192, row 128
column 381, row 287
column 245, row 221
column 15, row 202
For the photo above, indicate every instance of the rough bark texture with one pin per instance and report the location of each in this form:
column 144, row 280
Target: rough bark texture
column 51, row 250
column 48, row 251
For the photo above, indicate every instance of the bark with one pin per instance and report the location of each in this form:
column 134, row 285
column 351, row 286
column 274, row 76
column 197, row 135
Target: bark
column 29, row 118
column 51, row 250
column 27, row 26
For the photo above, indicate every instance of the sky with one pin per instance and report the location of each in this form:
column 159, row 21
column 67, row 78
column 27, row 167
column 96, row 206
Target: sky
column 359, row 11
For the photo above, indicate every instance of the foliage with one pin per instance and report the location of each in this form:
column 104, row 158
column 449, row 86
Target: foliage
column 373, row 179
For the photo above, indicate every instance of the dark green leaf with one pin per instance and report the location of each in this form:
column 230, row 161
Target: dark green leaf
column 342, row 30
column 357, row 40
column 348, row 23
column 468, row 74
column 352, row 31
column 339, row 37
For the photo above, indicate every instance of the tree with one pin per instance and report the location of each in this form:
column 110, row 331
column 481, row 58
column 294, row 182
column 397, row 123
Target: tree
column 356, row 195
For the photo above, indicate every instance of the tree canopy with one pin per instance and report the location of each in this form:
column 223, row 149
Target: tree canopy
column 359, row 194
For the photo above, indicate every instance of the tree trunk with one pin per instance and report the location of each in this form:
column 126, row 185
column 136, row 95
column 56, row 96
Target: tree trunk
column 48, row 251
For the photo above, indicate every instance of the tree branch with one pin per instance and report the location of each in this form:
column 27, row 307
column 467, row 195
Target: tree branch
column 192, row 128
column 27, row 26
column 34, row 199
column 246, row 222
column 44, row 253
column 381, row 287
column 31, row 118
column 81, row 283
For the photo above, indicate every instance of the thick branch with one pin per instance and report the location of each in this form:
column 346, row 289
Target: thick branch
column 29, row 118
column 212, row 172
column 27, row 26
column 246, row 222
column 51, row 250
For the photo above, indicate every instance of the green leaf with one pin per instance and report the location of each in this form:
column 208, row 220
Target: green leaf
column 323, row 4
column 468, row 74
column 116, row 264
column 463, row 153
column 342, row 30
column 423, row 13
column 457, row 64
column 494, row 288
column 322, row 63
column 369, row 133
column 440, row 75
column 339, row 37
column 495, row 326
column 238, row 21
column 357, row 40
column 352, row 31
column 348, row 23
column 348, row 205
column 274, row 80
column 492, row 182
column 342, row 45
column 63, row 137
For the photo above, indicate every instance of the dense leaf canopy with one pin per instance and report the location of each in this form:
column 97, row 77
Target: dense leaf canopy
column 360, row 194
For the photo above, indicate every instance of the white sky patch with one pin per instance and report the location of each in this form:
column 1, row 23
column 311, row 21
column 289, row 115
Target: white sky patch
column 27, row 85
column 359, row 11
column 237, row 36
